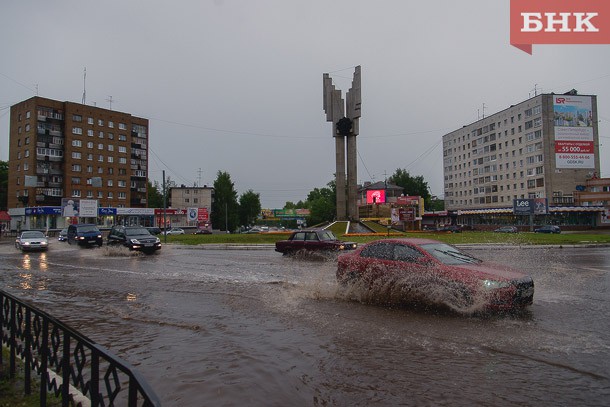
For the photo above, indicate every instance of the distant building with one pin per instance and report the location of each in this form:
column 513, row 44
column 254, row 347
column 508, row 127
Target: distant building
column 542, row 148
column 71, row 150
column 191, row 197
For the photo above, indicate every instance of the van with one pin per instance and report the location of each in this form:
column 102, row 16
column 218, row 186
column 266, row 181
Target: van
column 85, row 234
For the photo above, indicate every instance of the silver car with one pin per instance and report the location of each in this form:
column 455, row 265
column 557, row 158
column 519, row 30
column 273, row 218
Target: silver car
column 32, row 240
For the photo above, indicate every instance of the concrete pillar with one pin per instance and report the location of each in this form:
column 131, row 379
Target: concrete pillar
column 352, row 178
column 340, row 177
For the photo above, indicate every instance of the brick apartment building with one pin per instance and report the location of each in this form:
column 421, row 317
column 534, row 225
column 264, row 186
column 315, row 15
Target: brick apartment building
column 71, row 150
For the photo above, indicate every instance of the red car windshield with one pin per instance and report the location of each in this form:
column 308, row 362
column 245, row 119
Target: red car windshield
column 447, row 254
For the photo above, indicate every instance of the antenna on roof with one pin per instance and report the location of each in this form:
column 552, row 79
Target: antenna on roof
column 85, row 86
column 109, row 100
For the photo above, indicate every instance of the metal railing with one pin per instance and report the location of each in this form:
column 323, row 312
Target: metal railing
column 69, row 365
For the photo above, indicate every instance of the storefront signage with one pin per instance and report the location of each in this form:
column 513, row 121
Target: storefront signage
column 43, row 210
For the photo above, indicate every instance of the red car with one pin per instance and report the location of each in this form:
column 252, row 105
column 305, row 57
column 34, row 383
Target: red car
column 312, row 240
column 435, row 272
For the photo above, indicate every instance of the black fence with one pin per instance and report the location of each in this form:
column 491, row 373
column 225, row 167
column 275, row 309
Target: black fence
column 69, row 365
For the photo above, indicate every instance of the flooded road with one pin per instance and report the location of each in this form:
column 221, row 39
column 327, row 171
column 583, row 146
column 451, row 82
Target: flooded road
column 251, row 327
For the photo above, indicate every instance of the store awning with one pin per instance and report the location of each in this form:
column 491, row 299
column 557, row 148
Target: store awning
column 4, row 216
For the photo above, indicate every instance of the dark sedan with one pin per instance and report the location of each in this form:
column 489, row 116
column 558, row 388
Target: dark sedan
column 312, row 240
column 548, row 229
column 425, row 270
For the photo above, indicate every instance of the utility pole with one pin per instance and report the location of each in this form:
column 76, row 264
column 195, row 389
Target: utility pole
column 164, row 208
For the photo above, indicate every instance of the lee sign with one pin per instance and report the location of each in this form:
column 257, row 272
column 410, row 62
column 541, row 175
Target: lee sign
column 559, row 22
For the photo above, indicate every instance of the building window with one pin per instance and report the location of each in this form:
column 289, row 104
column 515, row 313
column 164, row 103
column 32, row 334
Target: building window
column 77, row 130
column 76, row 180
column 90, row 133
column 100, row 122
column 76, row 193
column 89, row 157
column 122, row 126
column 122, row 149
column 77, row 143
column 122, row 195
column 110, row 124
column 122, row 160
column 90, row 120
column 90, row 144
column 76, row 167
column 100, row 146
column 110, row 147
column 110, row 159
column 109, row 183
column 77, row 118
column 76, row 155
column 110, row 195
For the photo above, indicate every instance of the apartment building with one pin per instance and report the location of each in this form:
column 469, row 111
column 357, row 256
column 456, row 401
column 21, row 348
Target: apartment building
column 543, row 147
column 71, row 150
column 189, row 197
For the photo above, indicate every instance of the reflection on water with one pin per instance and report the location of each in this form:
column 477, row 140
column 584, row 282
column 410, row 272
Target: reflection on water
column 26, row 263
column 26, row 281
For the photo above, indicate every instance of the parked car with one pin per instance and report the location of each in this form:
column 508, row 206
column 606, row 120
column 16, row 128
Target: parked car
column 202, row 231
column 154, row 230
column 312, row 240
column 32, row 240
column 506, row 229
column 433, row 271
column 174, row 231
column 63, row 235
column 548, row 229
column 84, row 234
column 135, row 238
column 451, row 228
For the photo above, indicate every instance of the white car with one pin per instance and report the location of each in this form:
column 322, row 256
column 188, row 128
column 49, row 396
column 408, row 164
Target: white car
column 32, row 240
column 174, row 231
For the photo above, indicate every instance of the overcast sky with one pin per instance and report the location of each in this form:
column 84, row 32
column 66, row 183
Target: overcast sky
column 236, row 85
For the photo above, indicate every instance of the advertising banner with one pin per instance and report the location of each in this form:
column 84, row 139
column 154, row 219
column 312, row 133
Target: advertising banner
column 523, row 206
column 376, row 196
column 88, row 208
column 192, row 214
column 203, row 215
column 574, row 144
column 70, row 207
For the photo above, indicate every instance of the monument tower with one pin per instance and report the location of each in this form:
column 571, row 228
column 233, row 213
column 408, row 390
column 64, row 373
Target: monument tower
column 345, row 130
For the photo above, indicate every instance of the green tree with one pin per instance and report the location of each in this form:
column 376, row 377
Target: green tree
column 412, row 185
column 225, row 207
column 249, row 207
column 3, row 185
column 155, row 195
column 322, row 204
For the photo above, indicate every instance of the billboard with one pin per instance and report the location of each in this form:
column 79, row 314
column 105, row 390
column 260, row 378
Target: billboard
column 574, row 144
column 375, row 196
column 536, row 206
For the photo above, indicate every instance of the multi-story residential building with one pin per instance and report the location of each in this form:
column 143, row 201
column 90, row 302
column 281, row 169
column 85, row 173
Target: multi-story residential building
column 543, row 147
column 71, row 150
column 191, row 197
